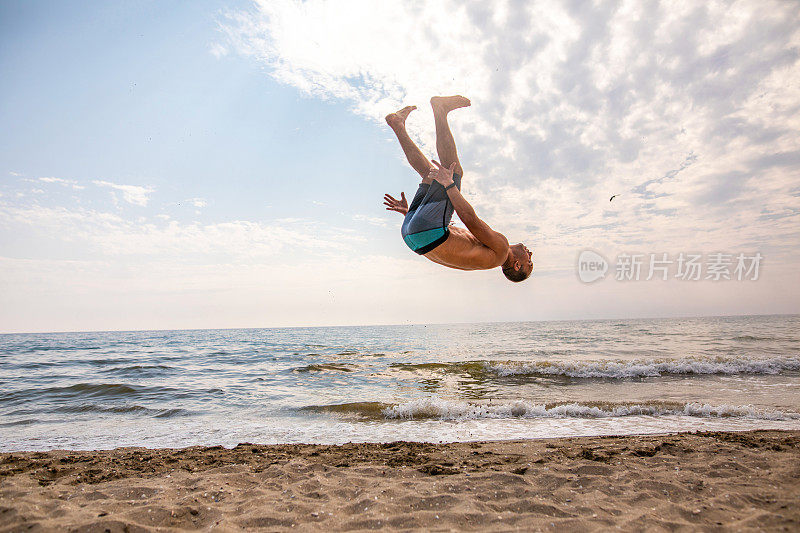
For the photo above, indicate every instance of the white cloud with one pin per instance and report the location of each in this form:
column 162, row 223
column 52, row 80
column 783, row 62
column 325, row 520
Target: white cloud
column 218, row 50
column 133, row 194
column 62, row 181
column 55, row 180
column 110, row 235
column 197, row 202
column 375, row 221
column 283, row 272
column 574, row 102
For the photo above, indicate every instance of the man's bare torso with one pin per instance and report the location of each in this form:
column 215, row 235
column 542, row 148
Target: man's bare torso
column 462, row 250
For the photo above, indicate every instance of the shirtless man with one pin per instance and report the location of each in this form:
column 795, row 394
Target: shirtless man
column 426, row 228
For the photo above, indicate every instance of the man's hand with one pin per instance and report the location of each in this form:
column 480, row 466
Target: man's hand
column 393, row 204
column 441, row 174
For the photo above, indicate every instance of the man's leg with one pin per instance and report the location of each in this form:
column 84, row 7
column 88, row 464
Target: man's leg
column 445, row 144
column 420, row 163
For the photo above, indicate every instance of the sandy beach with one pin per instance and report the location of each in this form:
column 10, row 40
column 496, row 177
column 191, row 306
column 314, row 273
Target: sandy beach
column 707, row 481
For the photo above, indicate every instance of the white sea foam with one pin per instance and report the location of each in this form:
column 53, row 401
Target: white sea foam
column 441, row 409
column 645, row 368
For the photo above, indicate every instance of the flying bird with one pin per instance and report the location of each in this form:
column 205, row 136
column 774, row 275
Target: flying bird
column 613, row 197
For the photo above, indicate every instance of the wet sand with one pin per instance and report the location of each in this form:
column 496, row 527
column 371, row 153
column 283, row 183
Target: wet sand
column 698, row 481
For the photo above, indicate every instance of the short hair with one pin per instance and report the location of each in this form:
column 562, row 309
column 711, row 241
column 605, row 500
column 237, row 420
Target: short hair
column 515, row 275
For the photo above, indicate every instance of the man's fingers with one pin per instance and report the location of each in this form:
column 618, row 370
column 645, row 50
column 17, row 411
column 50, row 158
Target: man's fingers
column 453, row 166
column 436, row 163
column 403, row 196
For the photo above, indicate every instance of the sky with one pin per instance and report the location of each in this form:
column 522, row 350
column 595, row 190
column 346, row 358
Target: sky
column 207, row 164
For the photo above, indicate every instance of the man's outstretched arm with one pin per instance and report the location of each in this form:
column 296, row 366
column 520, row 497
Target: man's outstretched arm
column 480, row 229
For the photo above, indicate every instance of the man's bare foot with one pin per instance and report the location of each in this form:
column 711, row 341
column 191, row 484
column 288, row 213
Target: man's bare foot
column 446, row 104
column 398, row 118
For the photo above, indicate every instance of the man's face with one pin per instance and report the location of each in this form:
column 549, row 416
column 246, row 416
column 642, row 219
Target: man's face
column 525, row 258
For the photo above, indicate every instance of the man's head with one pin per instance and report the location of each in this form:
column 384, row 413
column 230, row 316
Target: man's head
column 519, row 265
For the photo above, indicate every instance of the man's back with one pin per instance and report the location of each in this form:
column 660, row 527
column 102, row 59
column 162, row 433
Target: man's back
column 462, row 250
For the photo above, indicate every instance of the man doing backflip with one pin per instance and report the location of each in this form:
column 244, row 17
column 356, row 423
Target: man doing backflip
column 426, row 228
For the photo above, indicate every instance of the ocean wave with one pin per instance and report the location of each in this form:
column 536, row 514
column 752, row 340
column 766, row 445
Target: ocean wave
column 137, row 369
column 437, row 408
column 752, row 338
column 361, row 409
column 644, row 368
column 611, row 369
column 440, row 409
column 103, row 362
column 122, row 409
column 66, row 362
column 112, row 391
column 325, row 367
column 25, row 422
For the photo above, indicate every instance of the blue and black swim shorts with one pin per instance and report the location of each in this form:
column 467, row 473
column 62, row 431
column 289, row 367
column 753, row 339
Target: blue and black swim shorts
column 426, row 224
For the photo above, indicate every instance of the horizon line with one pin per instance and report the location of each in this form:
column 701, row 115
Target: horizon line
column 674, row 317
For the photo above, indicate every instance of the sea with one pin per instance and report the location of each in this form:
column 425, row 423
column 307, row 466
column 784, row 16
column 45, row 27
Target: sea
column 432, row 383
